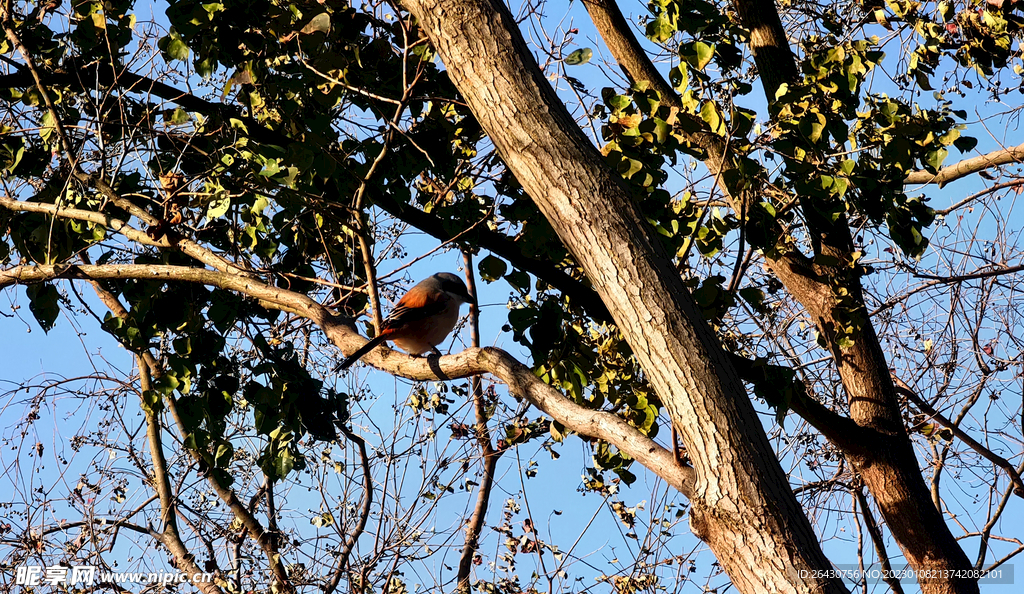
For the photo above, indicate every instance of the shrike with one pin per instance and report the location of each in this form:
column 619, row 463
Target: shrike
column 422, row 318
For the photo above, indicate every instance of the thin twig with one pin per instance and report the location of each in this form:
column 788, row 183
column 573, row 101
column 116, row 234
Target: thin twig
column 1018, row 485
column 876, row 538
column 483, row 437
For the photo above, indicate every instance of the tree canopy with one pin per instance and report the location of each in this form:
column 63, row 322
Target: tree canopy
column 758, row 259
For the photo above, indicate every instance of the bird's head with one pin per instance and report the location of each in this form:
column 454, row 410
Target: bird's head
column 454, row 286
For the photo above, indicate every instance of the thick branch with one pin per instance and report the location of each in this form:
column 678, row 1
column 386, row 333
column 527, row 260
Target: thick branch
column 838, row 429
column 967, row 167
column 520, row 379
column 88, row 216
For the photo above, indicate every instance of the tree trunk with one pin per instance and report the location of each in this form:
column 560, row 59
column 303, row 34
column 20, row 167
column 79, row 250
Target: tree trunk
column 878, row 446
column 885, row 459
column 742, row 504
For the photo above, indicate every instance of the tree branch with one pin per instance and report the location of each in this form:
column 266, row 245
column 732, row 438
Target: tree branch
column 170, row 536
column 876, row 538
column 88, row 216
column 493, row 241
column 248, row 520
column 966, row 167
column 224, row 280
column 1011, row 472
column 483, row 438
column 519, row 378
column 186, row 245
column 979, row 194
column 840, row 430
column 364, row 511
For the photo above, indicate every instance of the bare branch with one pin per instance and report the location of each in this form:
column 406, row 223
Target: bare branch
column 170, row 536
column 995, row 188
column 483, row 438
column 967, row 167
column 876, row 538
column 520, row 379
column 1011, row 472
column 364, row 511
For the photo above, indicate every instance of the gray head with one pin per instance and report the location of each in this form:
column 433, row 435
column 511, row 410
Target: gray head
column 451, row 283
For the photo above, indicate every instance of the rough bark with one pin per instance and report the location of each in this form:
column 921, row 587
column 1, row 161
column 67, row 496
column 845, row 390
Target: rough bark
column 742, row 505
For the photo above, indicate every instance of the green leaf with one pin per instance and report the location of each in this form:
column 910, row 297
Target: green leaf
column 206, row 67
column 934, row 159
column 661, row 28
column 812, row 126
column 180, row 116
column 704, row 54
column 619, row 102
column 491, row 268
column 284, row 463
column 580, row 56
column 628, row 478
column 710, row 114
column 151, row 402
column 218, row 206
column 167, row 383
column 172, row 47
column 922, row 80
column 754, row 297
column 629, row 167
column 48, row 126
column 949, row 137
column 44, row 303
column 558, row 431
column 321, row 23
column 270, row 168
column 225, row 451
column 965, row 144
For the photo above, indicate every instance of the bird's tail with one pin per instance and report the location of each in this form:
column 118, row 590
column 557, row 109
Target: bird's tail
column 366, row 348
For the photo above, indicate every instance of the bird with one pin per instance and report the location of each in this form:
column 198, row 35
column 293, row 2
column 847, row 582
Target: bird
column 422, row 318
